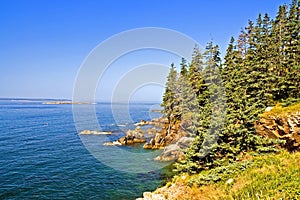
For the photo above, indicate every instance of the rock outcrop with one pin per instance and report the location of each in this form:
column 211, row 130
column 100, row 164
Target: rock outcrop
column 166, row 135
column 281, row 126
column 142, row 123
column 175, row 151
column 171, row 138
column 177, row 190
column 152, row 196
column 132, row 136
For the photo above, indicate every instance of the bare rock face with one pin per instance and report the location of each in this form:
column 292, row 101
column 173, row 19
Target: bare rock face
column 168, row 134
column 285, row 127
column 133, row 136
column 175, row 151
column 172, row 138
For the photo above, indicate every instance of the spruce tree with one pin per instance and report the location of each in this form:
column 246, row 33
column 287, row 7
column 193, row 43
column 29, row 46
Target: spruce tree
column 169, row 98
column 277, row 55
column 259, row 71
column 292, row 50
column 200, row 154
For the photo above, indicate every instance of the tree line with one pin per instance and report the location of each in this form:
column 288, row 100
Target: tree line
column 217, row 102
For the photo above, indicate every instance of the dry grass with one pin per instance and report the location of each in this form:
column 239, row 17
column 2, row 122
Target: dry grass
column 270, row 177
column 279, row 110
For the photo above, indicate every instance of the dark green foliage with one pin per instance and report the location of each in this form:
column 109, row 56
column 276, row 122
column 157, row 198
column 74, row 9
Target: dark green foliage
column 208, row 121
column 219, row 103
column 170, row 99
column 221, row 173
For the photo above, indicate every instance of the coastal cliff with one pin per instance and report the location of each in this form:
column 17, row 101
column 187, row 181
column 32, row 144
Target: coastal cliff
column 171, row 138
column 250, row 174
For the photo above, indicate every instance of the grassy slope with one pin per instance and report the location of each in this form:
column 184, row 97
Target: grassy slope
column 271, row 176
column 253, row 176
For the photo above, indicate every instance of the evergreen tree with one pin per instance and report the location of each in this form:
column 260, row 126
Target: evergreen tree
column 277, row 55
column 259, row 71
column 194, row 86
column 198, row 156
column 184, row 70
column 292, row 50
column 195, row 73
column 169, row 99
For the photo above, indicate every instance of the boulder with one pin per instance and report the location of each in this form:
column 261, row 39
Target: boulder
column 152, row 131
column 132, row 136
column 175, row 151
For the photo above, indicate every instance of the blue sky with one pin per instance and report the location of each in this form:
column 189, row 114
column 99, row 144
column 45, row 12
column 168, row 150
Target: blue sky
column 43, row 43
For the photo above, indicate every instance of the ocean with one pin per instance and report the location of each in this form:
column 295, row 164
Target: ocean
column 43, row 157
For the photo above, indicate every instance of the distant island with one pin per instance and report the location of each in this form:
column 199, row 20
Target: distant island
column 65, row 102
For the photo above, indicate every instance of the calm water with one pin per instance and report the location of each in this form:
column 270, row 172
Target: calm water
column 42, row 156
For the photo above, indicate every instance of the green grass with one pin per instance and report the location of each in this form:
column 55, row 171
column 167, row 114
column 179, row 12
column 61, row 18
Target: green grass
column 269, row 176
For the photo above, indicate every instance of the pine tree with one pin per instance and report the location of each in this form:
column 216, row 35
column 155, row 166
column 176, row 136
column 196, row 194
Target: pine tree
column 198, row 90
column 277, row 54
column 292, row 50
column 259, row 71
column 184, row 66
column 195, row 74
column 198, row 156
column 169, row 99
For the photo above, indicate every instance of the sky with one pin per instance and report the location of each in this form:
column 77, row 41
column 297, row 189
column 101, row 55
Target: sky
column 43, row 44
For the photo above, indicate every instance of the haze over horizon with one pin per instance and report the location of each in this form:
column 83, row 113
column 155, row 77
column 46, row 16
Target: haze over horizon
column 44, row 43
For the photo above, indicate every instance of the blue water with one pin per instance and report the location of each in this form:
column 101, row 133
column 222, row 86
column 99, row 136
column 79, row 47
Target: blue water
column 43, row 157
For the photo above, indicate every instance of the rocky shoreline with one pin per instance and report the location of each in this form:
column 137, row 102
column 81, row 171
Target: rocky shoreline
column 171, row 139
column 283, row 126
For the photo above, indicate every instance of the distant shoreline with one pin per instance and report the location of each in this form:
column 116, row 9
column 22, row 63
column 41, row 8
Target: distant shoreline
column 64, row 102
column 96, row 101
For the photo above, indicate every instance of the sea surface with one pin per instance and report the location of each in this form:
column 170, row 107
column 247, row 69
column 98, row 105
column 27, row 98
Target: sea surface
column 43, row 157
